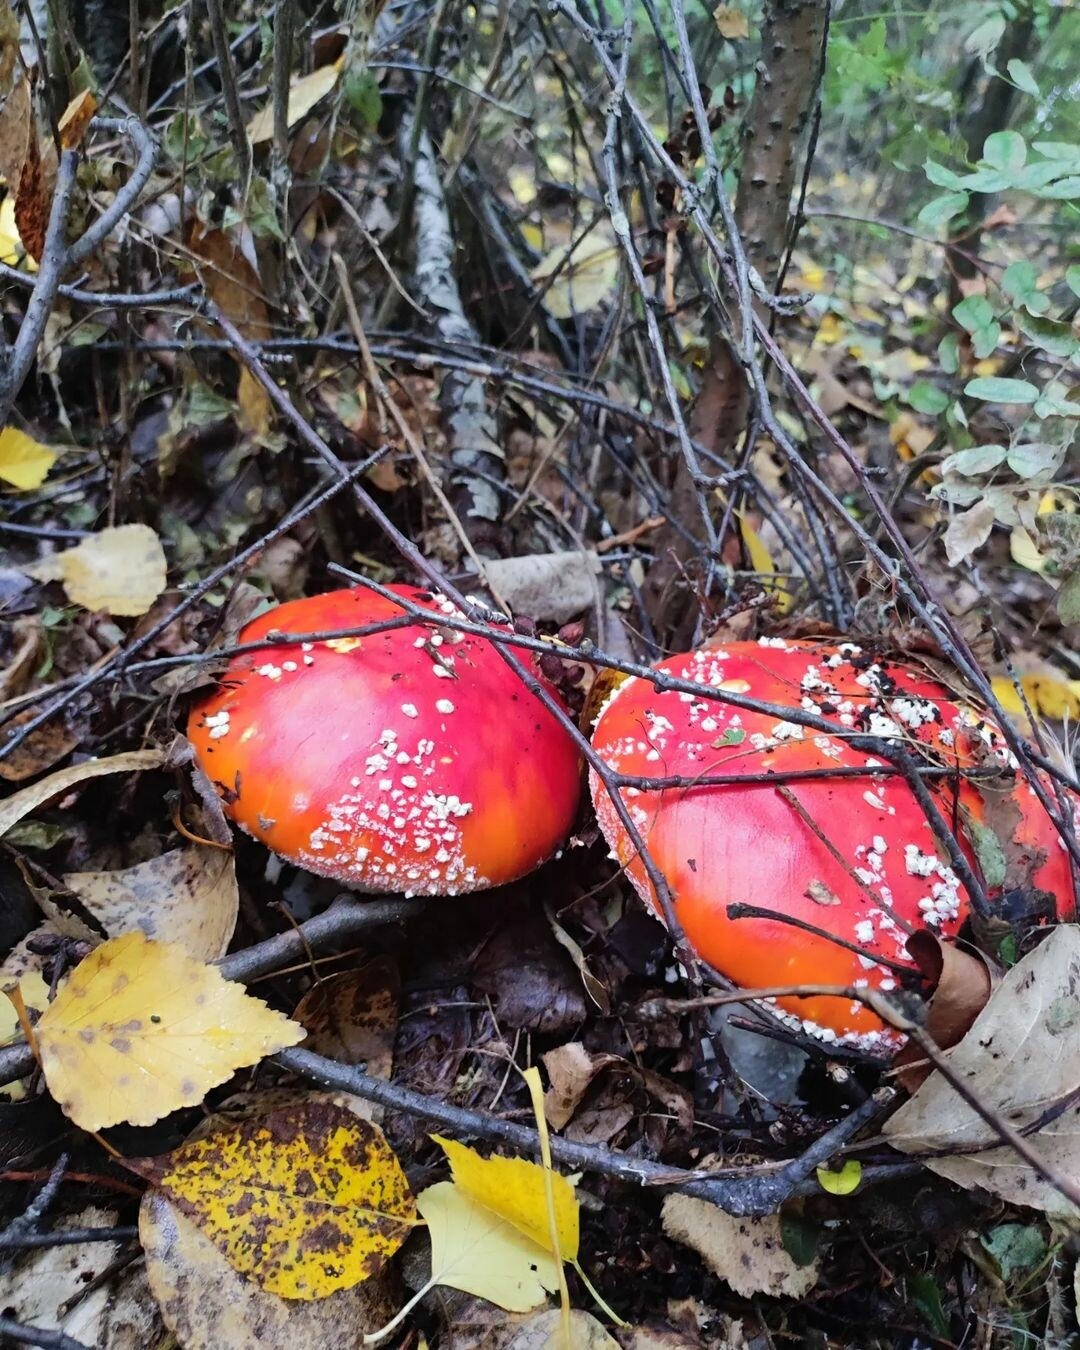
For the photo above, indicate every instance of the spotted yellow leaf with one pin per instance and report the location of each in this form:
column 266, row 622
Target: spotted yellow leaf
column 140, row 1029
column 305, row 1200
column 515, row 1189
column 24, row 462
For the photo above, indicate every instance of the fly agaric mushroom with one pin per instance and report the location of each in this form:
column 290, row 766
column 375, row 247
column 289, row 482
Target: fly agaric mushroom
column 412, row 759
column 854, row 856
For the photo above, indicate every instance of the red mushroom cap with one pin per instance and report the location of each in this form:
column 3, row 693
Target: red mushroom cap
column 869, row 870
column 410, row 760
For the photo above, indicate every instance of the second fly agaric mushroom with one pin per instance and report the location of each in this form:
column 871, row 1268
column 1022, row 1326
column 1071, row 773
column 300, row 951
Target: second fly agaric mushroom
column 412, row 759
column 850, row 853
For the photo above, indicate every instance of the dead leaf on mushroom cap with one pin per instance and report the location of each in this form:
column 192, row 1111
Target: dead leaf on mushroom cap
column 1020, row 1057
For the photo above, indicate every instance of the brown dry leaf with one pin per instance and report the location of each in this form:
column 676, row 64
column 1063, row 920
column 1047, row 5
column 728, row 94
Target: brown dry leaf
column 41, row 749
column 30, row 798
column 352, row 1017
column 556, row 586
column 33, row 198
column 571, row 1069
column 305, row 1200
column 208, row 1305
column 75, row 119
column 9, row 46
column 121, row 569
column 188, row 896
column 234, row 286
column 731, row 23
column 748, row 1253
column 1020, row 1057
column 15, row 120
column 139, row 1029
column 231, row 280
column 962, row 983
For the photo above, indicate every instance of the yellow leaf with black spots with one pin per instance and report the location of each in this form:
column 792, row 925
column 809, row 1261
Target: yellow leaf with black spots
column 305, row 1200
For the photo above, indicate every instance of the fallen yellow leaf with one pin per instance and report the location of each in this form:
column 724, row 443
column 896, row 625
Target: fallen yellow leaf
column 305, row 1200
column 585, row 276
column 120, row 569
column 1047, row 696
column 304, row 93
column 762, row 563
column 515, row 1189
column 140, row 1029
column 24, row 462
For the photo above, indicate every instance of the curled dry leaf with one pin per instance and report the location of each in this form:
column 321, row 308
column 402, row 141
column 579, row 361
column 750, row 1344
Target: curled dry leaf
column 1020, row 1059
column 30, row 798
column 748, row 1253
column 961, row 982
column 120, row 569
column 571, row 1069
column 208, row 1305
column 188, row 896
column 139, row 1029
column 305, row 1201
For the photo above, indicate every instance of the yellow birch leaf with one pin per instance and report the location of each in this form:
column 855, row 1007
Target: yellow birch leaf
column 304, row 93
column 304, row 1201
column 477, row 1251
column 762, row 563
column 120, row 569
column 24, row 462
column 731, row 23
column 584, row 277
column 140, row 1029
column 515, row 1189
column 20, row 804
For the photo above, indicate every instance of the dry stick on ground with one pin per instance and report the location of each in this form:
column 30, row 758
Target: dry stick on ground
column 747, row 1191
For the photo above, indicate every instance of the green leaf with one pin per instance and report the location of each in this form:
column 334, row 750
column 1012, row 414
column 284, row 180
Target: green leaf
column 1056, row 339
column 975, row 460
column 927, row 1298
column 1049, row 405
column 940, row 176
column 925, row 397
column 1072, row 278
column 1020, row 279
column 995, row 389
column 984, row 342
column 1068, row 599
column 1064, row 191
column 1005, row 150
column 800, row 1237
column 988, row 851
column 982, row 40
column 1066, row 150
column 1035, row 459
column 949, row 353
column 1015, row 1247
column 974, row 312
column 361, row 90
column 1022, row 77
column 942, row 209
